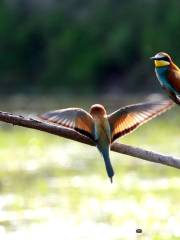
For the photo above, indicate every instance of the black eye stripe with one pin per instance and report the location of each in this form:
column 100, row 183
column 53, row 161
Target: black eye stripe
column 164, row 59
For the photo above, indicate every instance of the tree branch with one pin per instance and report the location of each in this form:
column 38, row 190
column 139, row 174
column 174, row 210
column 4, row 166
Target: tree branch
column 73, row 135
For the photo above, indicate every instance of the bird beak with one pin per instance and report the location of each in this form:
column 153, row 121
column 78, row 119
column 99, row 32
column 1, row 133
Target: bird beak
column 153, row 58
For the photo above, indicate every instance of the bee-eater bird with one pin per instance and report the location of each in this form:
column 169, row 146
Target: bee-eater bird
column 168, row 75
column 104, row 129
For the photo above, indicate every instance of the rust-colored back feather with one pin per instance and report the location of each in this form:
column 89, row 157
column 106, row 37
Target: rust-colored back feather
column 174, row 77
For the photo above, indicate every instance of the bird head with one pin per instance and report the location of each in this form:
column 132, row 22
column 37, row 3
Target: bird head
column 97, row 110
column 161, row 59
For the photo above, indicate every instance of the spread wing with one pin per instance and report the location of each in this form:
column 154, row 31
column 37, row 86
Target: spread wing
column 127, row 119
column 74, row 118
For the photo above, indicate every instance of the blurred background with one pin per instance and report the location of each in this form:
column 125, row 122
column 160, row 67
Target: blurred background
column 57, row 54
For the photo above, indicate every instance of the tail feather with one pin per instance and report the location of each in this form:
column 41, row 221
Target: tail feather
column 178, row 99
column 109, row 169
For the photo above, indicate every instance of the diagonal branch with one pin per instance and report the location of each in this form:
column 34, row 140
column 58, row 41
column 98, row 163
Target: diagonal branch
column 73, row 135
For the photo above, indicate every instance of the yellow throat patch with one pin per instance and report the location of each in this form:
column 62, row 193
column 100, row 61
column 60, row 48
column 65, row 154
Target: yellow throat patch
column 161, row 63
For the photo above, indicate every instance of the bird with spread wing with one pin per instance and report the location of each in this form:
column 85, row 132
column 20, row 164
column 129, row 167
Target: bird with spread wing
column 104, row 129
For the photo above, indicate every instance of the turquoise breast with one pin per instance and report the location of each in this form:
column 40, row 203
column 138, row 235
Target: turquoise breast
column 162, row 73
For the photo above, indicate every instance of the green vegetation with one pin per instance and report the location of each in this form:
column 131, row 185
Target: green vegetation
column 81, row 47
column 57, row 183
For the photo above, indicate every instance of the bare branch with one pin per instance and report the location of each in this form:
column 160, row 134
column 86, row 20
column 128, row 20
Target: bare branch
column 146, row 155
column 73, row 135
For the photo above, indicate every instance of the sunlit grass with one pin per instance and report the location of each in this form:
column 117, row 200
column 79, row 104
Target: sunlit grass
column 50, row 184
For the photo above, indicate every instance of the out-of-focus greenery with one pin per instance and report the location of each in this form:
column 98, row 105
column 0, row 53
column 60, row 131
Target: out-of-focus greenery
column 85, row 46
column 53, row 185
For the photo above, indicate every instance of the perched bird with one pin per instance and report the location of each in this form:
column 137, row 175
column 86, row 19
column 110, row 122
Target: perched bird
column 104, row 129
column 168, row 75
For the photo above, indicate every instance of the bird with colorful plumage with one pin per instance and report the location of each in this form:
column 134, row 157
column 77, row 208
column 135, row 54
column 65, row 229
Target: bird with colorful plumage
column 104, row 129
column 168, row 75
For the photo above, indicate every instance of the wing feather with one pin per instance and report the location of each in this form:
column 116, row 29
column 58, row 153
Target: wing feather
column 127, row 119
column 74, row 118
column 174, row 79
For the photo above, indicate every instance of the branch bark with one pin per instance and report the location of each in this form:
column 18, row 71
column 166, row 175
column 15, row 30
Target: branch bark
column 73, row 135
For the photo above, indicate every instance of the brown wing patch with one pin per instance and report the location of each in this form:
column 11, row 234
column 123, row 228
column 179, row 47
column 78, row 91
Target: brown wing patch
column 174, row 79
column 129, row 118
column 129, row 123
column 74, row 118
column 81, row 123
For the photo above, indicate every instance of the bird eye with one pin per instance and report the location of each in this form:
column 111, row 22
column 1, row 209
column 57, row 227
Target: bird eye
column 165, row 59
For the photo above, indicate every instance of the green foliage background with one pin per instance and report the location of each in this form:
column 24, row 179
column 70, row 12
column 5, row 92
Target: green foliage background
column 85, row 46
